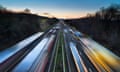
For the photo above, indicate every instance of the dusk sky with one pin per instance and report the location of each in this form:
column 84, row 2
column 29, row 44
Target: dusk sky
column 59, row 8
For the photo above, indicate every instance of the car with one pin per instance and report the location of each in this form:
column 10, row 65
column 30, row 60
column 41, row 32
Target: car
column 71, row 31
column 78, row 34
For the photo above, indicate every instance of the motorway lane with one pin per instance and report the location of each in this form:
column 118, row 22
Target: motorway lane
column 87, row 65
column 90, row 67
column 77, row 59
column 5, row 54
column 102, row 57
column 17, row 52
column 72, row 67
column 76, row 63
column 42, row 60
column 39, row 54
column 82, row 53
column 27, row 61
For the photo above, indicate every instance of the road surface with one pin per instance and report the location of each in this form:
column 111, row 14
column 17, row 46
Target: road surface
column 61, row 49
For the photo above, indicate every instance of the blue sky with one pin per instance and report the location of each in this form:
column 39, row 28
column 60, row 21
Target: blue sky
column 59, row 8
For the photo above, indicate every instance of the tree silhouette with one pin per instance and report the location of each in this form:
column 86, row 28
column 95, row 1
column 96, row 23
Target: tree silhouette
column 2, row 8
column 110, row 13
column 27, row 10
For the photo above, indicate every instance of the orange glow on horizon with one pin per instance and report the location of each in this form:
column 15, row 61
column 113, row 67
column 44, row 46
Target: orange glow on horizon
column 65, row 15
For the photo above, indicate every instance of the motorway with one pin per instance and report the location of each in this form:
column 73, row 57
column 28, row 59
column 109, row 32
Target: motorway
column 59, row 49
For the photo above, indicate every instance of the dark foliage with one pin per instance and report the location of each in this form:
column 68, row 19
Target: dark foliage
column 17, row 26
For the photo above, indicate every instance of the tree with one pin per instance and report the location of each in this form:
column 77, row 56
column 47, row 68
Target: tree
column 110, row 13
column 2, row 8
column 27, row 10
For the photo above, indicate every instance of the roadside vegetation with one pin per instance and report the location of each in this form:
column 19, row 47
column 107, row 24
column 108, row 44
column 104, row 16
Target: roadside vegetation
column 16, row 26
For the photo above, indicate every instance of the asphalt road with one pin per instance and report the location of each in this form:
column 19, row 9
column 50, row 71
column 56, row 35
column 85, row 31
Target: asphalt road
column 93, row 57
column 83, row 61
column 79, row 53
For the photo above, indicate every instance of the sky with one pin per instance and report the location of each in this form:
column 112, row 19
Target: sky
column 59, row 8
